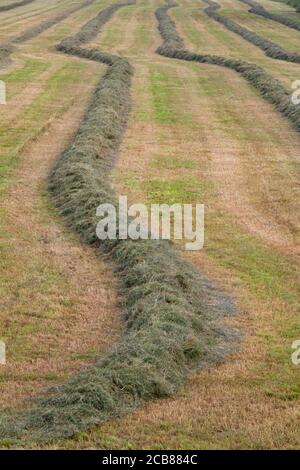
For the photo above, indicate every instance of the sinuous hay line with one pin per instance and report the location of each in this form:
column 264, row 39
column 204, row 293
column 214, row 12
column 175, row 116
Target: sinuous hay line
column 173, row 313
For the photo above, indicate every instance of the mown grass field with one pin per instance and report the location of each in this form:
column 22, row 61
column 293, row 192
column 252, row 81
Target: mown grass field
column 197, row 133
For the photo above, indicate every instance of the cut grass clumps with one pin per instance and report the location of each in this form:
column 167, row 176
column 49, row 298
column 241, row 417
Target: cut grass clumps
column 270, row 48
column 167, row 28
column 5, row 51
column 270, row 89
column 258, row 9
column 172, row 312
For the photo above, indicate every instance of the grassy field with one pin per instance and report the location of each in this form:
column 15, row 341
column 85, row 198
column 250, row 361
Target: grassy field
column 197, row 133
column 41, row 294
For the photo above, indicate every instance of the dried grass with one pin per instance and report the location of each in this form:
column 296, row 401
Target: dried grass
column 270, row 48
column 173, row 313
column 257, row 9
column 270, row 89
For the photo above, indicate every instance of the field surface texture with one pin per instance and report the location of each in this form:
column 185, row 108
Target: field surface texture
column 123, row 344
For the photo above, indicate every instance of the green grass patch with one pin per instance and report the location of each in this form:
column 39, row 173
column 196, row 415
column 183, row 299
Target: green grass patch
column 17, row 79
column 173, row 163
column 263, row 271
column 165, row 88
column 160, row 90
column 183, row 191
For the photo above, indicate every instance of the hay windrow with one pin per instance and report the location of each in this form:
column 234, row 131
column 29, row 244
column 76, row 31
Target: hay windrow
column 92, row 27
column 270, row 88
column 35, row 31
column 270, row 48
column 12, row 6
column 173, row 313
column 258, row 9
column 7, row 49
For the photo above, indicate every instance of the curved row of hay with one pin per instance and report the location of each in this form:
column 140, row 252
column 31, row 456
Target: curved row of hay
column 11, row 6
column 270, row 89
column 7, row 49
column 257, row 9
column 172, row 312
column 34, row 31
column 270, row 48
column 91, row 28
